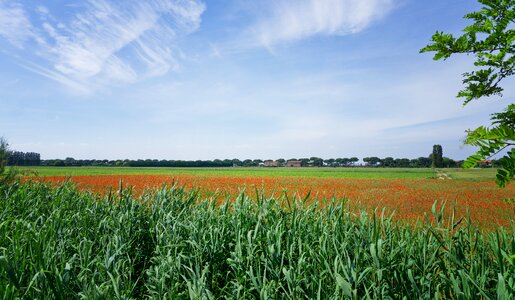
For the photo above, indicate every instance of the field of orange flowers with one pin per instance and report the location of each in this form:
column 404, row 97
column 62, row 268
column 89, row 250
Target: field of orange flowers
column 408, row 199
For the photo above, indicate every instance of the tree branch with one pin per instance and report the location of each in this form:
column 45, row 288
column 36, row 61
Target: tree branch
column 498, row 151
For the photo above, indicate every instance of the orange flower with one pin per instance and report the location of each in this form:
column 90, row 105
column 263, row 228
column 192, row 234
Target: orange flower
column 410, row 199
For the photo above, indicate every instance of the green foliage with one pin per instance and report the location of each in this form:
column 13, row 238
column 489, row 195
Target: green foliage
column 18, row 158
column 372, row 161
column 59, row 243
column 491, row 39
column 6, row 177
column 11, row 174
column 437, row 157
column 491, row 141
column 507, row 117
column 4, row 151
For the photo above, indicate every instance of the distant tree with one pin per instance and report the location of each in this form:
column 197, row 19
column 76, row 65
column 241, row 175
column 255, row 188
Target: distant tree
column 402, row 162
column 70, row 161
column 353, row 160
column 316, row 161
column 437, row 157
column 339, row 162
column 16, row 158
column 247, row 163
column 11, row 174
column 388, row 162
column 372, row 161
column 449, row 163
column 491, row 39
column 421, row 162
column 413, row 163
column 330, row 162
column 304, row 162
column 4, row 153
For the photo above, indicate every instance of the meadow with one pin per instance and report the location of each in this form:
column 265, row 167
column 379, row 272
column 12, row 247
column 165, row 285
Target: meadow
column 240, row 171
column 235, row 233
column 408, row 193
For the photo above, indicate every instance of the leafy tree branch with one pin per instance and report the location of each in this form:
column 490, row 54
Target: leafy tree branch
column 491, row 39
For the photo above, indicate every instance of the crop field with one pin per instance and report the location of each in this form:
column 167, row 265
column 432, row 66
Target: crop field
column 238, row 172
column 256, row 234
column 407, row 193
column 59, row 242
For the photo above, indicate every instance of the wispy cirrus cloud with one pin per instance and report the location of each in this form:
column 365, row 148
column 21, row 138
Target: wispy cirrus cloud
column 291, row 20
column 14, row 23
column 103, row 42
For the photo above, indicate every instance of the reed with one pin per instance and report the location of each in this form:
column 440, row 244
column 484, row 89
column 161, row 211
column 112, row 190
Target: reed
column 63, row 243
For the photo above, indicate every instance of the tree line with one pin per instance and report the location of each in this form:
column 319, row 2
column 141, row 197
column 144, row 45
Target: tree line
column 421, row 162
column 18, row 158
column 433, row 160
column 376, row 162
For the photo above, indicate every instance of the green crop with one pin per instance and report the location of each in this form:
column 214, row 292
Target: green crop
column 235, row 172
column 59, row 242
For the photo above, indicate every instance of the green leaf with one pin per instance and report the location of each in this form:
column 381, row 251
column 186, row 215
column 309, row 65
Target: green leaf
column 490, row 40
column 344, row 285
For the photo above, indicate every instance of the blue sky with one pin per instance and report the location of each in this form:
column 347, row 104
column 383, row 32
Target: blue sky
column 192, row 79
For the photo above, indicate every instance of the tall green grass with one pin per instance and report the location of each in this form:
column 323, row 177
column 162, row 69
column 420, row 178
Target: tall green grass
column 62, row 243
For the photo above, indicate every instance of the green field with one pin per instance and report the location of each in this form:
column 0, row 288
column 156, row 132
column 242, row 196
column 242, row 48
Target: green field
column 471, row 174
column 453, row 173
column 264, row 172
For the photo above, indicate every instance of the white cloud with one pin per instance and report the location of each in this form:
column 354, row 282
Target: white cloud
column 104, row 42
column 292, row 20
column 14, row 23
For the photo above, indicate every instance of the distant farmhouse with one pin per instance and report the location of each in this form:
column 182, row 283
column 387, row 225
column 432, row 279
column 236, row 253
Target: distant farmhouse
column 485, row 163
column 275, row 163
column 270, row 163
column 294, row 163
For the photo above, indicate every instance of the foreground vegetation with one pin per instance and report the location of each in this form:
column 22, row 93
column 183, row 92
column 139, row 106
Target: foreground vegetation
column 64, row 243
column 482, row 201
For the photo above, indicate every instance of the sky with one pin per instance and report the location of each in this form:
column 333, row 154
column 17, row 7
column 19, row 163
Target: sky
column 207, row 79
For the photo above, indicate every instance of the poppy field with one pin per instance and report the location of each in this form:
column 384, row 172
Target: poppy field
column 409, row 199
column 202, row 237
